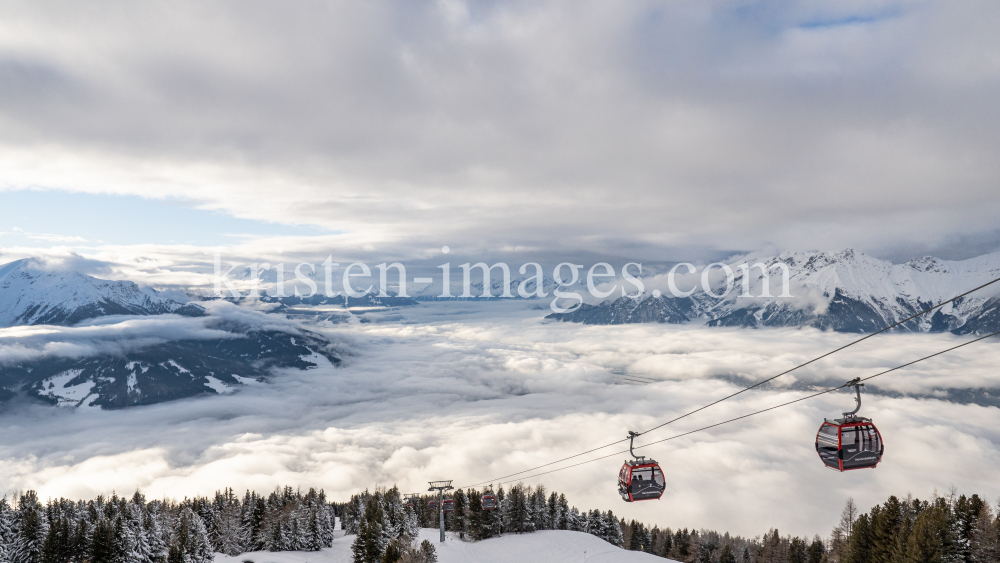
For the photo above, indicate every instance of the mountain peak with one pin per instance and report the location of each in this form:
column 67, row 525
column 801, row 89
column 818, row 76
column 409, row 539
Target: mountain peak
column 34, row 292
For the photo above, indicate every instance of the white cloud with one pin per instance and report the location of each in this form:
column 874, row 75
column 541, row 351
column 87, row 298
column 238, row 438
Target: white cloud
column 470, row 391
column 629, row 128
column 117, row 334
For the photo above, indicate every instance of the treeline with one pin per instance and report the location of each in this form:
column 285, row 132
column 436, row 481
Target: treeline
column 706, row 546
column 953, row 529
column 386, row 527
column 957, row 529
column 119, row 530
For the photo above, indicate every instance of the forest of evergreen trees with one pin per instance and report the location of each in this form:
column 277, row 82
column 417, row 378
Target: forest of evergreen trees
column 120, row 530
column 383, row 529
column 956, row 529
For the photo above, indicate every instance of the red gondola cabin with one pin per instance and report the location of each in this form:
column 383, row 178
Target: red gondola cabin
column 489, row 501
column 851, row 442
column 846, row 444
column 641, row 480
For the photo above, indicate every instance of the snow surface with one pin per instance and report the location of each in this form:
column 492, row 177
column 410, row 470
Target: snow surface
column 549, row 546
column 873, row 280
column 895, row 291
column 30, row 292
column 218, row 386
column 68, row 395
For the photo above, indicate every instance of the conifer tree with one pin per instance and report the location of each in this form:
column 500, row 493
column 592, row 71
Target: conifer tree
column 575, row 521
column 80, row 542
column 103, row 547
column 458, row 518
column 314, row 534
column 815, row 551
column 885, row 521
column 429, row 552
column 965, row 513
column 31, row 527
column 226, row 529
column 594, row 524
column 682, row 544
column 797, row 551
column 501, row 517
column 192, row 538
column 393, row 552
column 477, row 528
column 539, row 508
column 372, row 539
column 58, row 542
column 253, row 512
column 552, row 518
column 668, row 544
column 517, row 513
column 126, row 542
column 727, row 555
column 360, row 548
column 563, row 513
column 614, row 530
column 860, row 546
column 153, row 539
column 6, row 529
column 985, row 537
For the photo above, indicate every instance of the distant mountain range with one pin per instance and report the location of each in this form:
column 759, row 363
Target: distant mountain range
column 166, row 368
column 32, row 293
column 844, row 291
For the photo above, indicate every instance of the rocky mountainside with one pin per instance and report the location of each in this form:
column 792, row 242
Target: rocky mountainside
column 31, row 293
column 845, row 291
column 166, row 371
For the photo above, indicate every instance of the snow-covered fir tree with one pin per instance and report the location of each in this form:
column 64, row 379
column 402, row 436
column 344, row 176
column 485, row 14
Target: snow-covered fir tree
column 7, row 516
column 30, row 529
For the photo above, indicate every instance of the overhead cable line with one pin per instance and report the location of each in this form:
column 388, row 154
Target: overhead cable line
column 755, row 385
column 830, row 353
column 800, row 399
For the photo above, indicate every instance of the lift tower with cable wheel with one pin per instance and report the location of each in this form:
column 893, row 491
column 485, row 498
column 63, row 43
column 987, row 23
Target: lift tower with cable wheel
column 440, row 487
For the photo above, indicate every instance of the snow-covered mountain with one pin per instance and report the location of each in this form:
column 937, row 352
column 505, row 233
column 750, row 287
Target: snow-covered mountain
column 31, row 293
column 170, row 360
column 165, row 371
column 845, row 291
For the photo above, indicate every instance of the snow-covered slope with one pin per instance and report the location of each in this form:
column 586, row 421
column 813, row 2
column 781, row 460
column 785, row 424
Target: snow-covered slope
column 550, row 546
column 32, row 293
column 165, row 371
column 844, row 291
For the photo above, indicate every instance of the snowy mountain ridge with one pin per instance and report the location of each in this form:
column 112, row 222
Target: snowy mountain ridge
column 31, row 293
column 152, row 360
column 846, row 291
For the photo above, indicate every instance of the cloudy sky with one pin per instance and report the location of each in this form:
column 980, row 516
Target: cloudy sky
column 655, row 130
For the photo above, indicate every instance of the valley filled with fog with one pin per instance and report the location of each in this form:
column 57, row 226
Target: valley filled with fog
column 472, row 391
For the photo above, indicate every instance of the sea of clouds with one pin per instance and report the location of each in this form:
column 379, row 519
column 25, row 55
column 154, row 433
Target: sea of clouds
column 475, row 391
